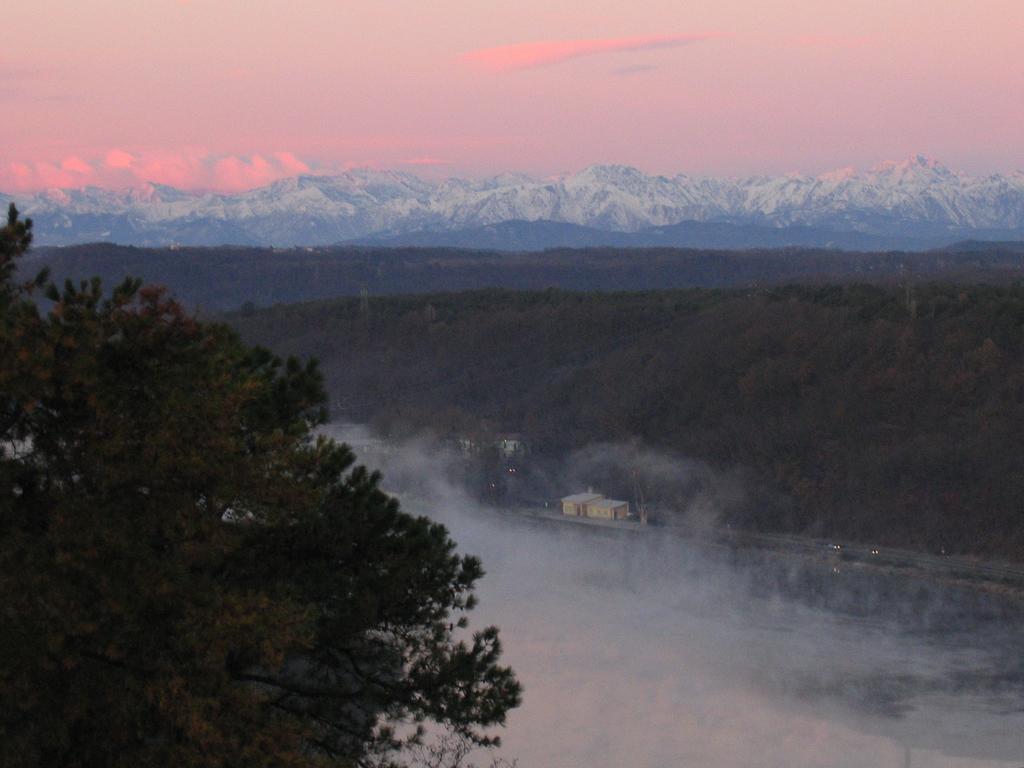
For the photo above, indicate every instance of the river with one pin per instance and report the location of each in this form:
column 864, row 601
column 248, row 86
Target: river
column 656, row 651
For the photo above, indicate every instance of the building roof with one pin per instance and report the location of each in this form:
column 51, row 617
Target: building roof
column 608, row 503
column 582, row 498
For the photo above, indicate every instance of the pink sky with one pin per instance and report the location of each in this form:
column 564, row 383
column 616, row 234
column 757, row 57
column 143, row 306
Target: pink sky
column 230, row 94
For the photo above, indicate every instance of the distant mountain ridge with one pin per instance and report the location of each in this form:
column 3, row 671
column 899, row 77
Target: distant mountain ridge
column 916, row 203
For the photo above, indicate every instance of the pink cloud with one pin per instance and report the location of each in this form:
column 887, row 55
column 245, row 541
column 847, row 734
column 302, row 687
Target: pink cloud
column 235, row 173
column 190, row 169
column 20, row 176
column 290, row 163
column 183, row 168
column 75, row 164
column 539, row 54
column 117, row 158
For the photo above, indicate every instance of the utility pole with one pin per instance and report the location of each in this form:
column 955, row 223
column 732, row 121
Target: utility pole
column 638, row 491
column 638, row 498
column 638, row 494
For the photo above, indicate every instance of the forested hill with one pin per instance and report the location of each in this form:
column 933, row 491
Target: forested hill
column 885, row 414
column 226, row 278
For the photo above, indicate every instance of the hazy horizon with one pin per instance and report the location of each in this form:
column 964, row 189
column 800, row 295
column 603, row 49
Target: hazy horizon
column 435, row 176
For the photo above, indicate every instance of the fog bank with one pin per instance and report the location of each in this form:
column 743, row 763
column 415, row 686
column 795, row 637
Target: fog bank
column 646, row 651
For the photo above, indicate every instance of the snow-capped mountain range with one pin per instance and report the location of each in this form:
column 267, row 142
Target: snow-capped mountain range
column 915, row 198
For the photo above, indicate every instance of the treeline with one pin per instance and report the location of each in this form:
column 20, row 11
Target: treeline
column 889, row 414
column 215, row 279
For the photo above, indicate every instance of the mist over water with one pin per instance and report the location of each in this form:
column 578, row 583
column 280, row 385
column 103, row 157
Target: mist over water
column 648, row 650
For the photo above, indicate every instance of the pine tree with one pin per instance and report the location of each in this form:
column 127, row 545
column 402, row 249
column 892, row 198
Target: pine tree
column 189, row 576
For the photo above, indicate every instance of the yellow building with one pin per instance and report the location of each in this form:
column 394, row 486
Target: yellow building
column 594, row 505
column 608, row 509
column 576, row 505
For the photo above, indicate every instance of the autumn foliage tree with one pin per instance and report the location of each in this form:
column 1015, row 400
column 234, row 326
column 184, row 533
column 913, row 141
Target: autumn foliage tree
column 189, row 576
